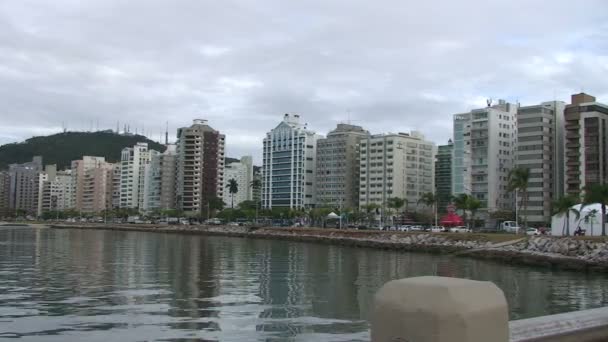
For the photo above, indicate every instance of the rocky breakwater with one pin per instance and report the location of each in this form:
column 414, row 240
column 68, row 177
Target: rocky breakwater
column 439, row 243
column 563, row 252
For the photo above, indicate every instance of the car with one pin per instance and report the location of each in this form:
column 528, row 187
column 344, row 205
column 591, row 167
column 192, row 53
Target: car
column 403, row 228
column 437, row 229
column 532, row 231
column 460, row 229
column 416, row 228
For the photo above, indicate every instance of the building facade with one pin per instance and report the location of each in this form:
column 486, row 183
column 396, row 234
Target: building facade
column 5, row 185
column 151, row 188
column 540, row 148
column 25, row 181
column 200, row 167
column 586, row 135
column 484, row 153
column 242, row 173
column 93, row 178
column 395, row 165
column 133, row 163
column 168, row 164
column 443, row 176
column 337, row 172
column 289, row 163
column 57, row 191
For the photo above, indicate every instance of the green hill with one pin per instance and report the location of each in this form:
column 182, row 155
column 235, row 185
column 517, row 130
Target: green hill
column 62, row 148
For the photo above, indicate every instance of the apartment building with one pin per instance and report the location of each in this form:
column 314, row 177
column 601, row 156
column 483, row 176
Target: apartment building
column 57, row 191
column 92, row 178
column 133, row 163
column 540, row 148
column 5, row 185
column 443, row 176
column 395, row 165
column 484, row 154
column 242, row 173
column 200, row 167
column 116, row 174
column 337, row 176
column 168, row 164
column 25, row 186
column 289, row 163
column 586, row 135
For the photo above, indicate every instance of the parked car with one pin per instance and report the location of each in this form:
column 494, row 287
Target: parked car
column 532, row 231
column 460, row 229
column 437, row 229
column 416, row 228
column 510, row 227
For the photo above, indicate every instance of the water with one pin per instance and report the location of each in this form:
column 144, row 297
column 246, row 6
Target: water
column 74, row 285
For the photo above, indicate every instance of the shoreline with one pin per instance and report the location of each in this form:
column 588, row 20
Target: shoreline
column 549, row 252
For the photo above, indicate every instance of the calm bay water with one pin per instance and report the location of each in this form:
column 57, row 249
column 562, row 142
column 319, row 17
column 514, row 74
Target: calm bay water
column 74, row 285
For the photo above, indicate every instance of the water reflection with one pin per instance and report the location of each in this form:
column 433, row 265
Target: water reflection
column 62, row 285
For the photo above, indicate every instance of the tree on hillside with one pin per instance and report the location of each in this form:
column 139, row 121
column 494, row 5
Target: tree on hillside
column 563, row 207
column 518, row 182
column 233, row 188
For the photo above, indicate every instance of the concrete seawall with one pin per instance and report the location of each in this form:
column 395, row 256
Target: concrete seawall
column 562, row 253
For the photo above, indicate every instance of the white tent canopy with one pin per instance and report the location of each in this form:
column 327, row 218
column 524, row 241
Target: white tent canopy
column 592, row 224
column 333, row 215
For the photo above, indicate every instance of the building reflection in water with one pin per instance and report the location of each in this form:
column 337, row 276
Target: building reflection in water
column 163, row 286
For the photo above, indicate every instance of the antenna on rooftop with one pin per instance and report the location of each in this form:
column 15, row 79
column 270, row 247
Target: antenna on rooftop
column 167, row 134
column 489, row 102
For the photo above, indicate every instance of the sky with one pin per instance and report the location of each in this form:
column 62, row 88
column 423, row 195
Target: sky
column 389, row 66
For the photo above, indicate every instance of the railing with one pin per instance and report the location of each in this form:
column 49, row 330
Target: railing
column 438, row 309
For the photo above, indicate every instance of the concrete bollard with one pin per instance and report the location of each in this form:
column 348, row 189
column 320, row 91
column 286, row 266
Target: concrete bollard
column 439, row 309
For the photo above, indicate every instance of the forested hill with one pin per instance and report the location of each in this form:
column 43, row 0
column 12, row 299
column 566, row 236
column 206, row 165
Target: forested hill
column 62, row 148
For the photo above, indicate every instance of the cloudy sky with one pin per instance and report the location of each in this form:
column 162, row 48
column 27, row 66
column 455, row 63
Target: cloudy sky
column 387, row 65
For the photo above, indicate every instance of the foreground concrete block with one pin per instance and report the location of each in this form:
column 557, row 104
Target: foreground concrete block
column 439, row 309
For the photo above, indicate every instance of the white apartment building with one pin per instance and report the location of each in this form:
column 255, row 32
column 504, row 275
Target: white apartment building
column 484, row 153
column 395, row 165
column 289, row 164
column 540, row 148
column 242, row 173
column 133, row 163
column 57, row 191
column 152, row 183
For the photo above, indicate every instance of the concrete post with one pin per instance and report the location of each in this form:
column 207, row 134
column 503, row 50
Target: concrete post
column 439, row 309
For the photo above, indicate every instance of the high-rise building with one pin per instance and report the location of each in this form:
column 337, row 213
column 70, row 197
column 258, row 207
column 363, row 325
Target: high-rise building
column 168, row 164
column 57, row 191
column 395, row 165
column 337, row 174
column 132, row 175
column 289, row 163
column 540, row 148
column 5, row 185
column 443, row 176
column 93, row 179
column 242, row 173
column 25, row 186
column 116, row 174
column 200, row 167
column 484, row 154
column 152, row 183
column 586, row 130
column 256, row 192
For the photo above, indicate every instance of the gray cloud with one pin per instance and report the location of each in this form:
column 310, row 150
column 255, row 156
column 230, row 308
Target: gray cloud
column 389, row 66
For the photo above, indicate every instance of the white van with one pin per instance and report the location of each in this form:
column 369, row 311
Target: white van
column 510, row 227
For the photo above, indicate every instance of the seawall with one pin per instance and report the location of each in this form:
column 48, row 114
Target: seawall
column 590, row 255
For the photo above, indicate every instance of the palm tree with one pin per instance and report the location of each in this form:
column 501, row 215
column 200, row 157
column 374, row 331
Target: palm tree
column 518, row 182
column 597, row 193
column 256, row 185
column 233, row 188
column 461, row 202
column 430, row 200
column 563, row 207
column 590, row 217
column 473, row 204
column 370, row 211
column 395, row 203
